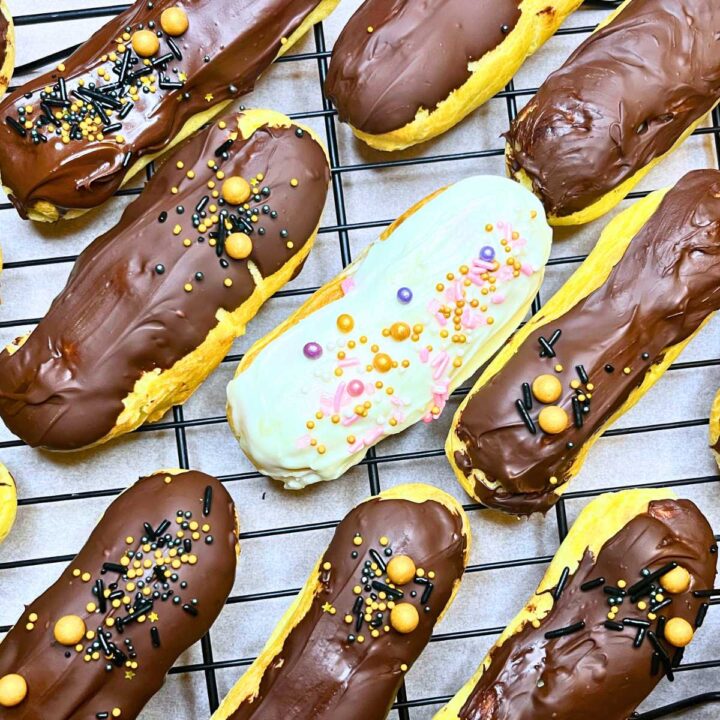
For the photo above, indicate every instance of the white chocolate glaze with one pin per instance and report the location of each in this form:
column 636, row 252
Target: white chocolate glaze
column 302, row 420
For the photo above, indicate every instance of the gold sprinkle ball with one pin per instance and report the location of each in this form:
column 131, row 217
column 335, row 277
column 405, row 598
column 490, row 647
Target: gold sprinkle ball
column 382, row 362
column 145, row 43
column 174, row 21
column 236, row 190
column 401, row 569
column 547, row 388
column 404, row 618
column 676, row 581
column 69, row 630
column 13, row 690
column 678, row 632
column 400, row 331
column 238, row 246
column 553, row 419
column 345, row 323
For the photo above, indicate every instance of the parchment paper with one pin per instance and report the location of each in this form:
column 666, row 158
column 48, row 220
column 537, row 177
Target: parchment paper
column 276, row 558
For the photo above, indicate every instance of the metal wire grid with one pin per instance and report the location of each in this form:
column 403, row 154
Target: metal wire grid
column 372, row 462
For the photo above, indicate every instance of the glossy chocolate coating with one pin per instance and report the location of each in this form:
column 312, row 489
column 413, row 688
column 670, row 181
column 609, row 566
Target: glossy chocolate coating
column 597, row 673
column 240, row 38
column 118, row 318
column 666, row 284
column 4, row 27
column 622, row 99
column 61, row 684
column 416, row 55
column 317, row 673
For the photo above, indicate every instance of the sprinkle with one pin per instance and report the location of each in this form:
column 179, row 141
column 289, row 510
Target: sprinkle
column 378, row 559
column 700, row 617
column 660, row 605
column 527, row 396
column 190, row 609
column 664, row 657
column 639, row 637
column 426, row 593
column 16, row 126
column 391, row 592
column 100, row 592
column 706, row 593
column 581, row 373
column 636, row 622
column 642, row 586
column 561, row 583
column 207, row 501
column 577, row 412
column 592, row 584
column 611, row 625
column 155, row 636
column 551, row 342
column 568, row 630
column 529, row 424
column 114, row 567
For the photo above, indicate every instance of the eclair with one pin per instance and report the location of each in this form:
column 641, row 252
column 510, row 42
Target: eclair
column 7, row 47
column 8, row 502
column 594, row 349
column 143, row 83
column 623, row 597
column 625, row 99
column 384, row 344
column 405, row 71
column 365, row 614
column 150, row 581
column 153, row 306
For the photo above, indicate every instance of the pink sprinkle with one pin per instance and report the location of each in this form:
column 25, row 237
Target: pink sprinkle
column 439, row 358
column 338, row 397
column 424, row 355
column 326, row 402
column 374, row 434
column 356, row 447
column 395, row 400
column 442, row 320
column 483, row 265
column 347, row 285
column 303, row 442
column 527, row 269
column 497, row 299
column 440, row 367
column 433, row 306
column 475, row 279
column 347, row 421
column 349, row 362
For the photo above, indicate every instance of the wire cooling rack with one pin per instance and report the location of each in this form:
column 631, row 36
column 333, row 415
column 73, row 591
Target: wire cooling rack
column 414, row 702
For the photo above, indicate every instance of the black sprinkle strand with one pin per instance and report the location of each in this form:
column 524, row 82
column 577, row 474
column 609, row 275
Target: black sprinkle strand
column 700, row 617
column 560, row 632
column 592, row 584
column 561, row 583
column 529, row 424
column 527, row 396
column 207, row 501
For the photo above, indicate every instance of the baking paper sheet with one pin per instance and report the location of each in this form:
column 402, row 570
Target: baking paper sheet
column 283, row 533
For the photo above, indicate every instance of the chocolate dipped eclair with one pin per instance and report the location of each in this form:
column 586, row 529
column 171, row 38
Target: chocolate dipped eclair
column 8, row 502
column 593, row 350
column 150, row 581
column 148, row 79
column 384, row 344
column 405, row 71
column 365, row 614
column 153, row 306
column 627, row 97
column 623, row 596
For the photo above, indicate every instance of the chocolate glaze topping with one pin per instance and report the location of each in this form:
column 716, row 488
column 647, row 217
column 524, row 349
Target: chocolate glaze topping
column 417, row 53
column 659, row 293
column 228, row 45
column 621, row 99
column 64, row 686
column 4, row 27
column 120, row 317
column 319, row 674
column 597, row 673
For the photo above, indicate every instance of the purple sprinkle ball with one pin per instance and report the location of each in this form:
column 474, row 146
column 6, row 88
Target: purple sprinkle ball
column 404, row 295
column 312, row 351
column 487, row 252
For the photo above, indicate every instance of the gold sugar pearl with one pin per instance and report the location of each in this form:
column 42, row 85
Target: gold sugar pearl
column 400, row 331
column 227, row 282
column 553, row 419
column 345, row 323
column 174, row 21
column 236, row 190
column 401, row 569
column 547, row 388
column 69, row 630
column 678, row 632
column 238, row 246
column 382, row 362
column 13, row 690
column 357, row 540
column 145, row 43
column 404, row 618
column 676, row 581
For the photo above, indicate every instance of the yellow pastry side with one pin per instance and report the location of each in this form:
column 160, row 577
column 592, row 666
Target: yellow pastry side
column 608, row 201
column 714, row 432
column 249, row 684
column 599, row 521
column 157, row 391
column 44, row 211
column 489, row 75
column 8, row 502
column 6, row 70
column 593, row 273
